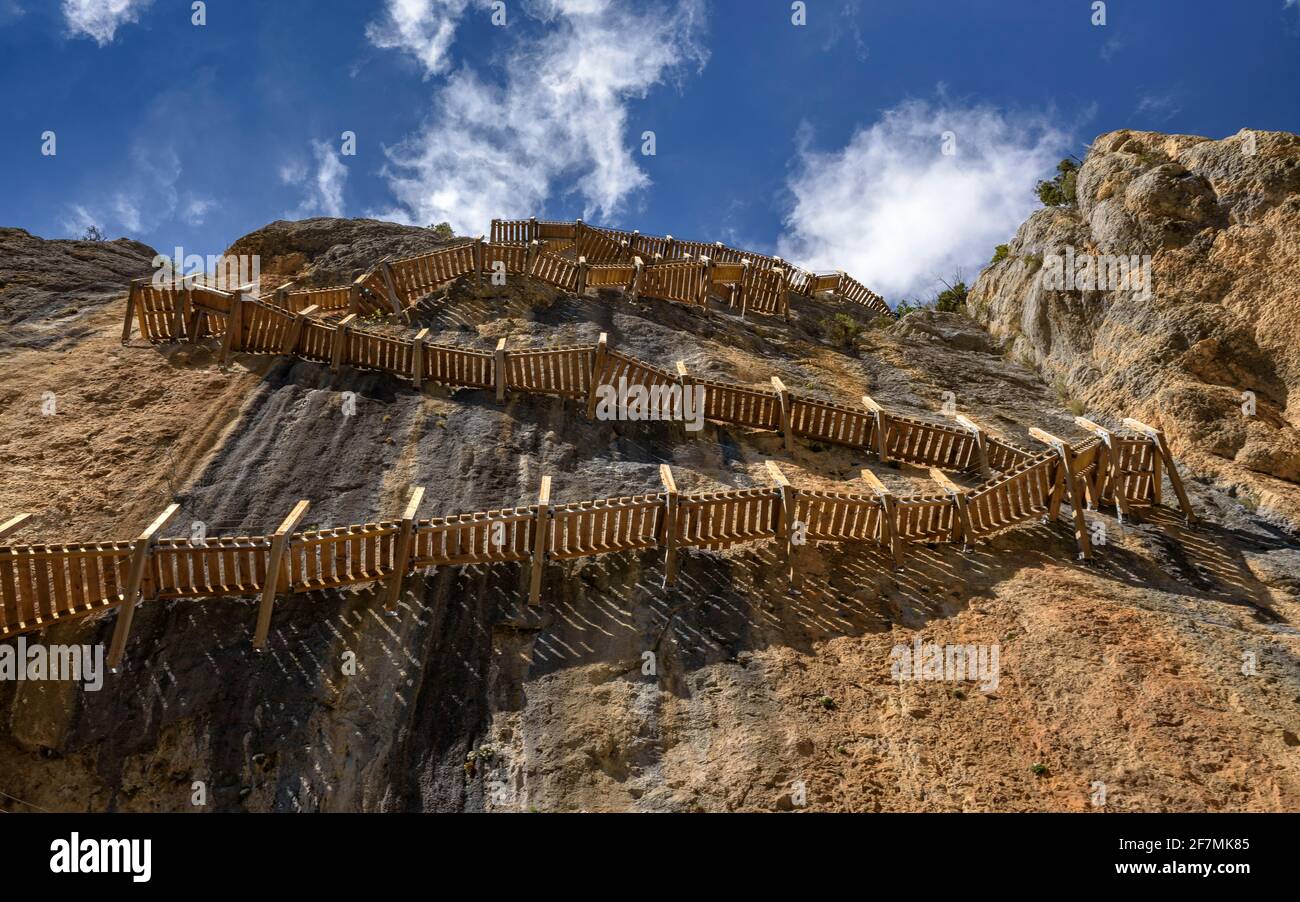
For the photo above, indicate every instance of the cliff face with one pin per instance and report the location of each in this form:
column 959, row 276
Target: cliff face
column 1220, row 221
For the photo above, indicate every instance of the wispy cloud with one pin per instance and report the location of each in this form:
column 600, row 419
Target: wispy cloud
column 897, row 213
column 100, row 19
column 555, row 122
column 423, row 28
column 322, row 186
column 1158, row 107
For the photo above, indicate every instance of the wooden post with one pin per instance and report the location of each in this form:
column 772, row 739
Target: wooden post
column 533, row 231
column 277, row 572
column 139, row 560
column 130, row 309
column 402, row 552
column 597, row 368
column 1162, row 449
column 581, row 285
column 961, row 519
column 783, row 400
column 1071, row 489
column 638, row 270
column 13, row 524
column 670, row 524
column 668, row 247
column 787, row 522
column 882, row 440
column 706, row 283
column 742, row 287
column 888, row 518
column 532, row 252
column 541, row 536
column 683, row 380
column 354, row 298
column 390, row 286
column 478, row 261
column 233, row 339
column 1105, row 461
column 500, row 375
column 340, row 341
column 294, row 333
column 981, row 444
column 417, row 358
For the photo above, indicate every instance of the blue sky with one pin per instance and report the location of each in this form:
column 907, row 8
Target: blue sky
column 822, row 141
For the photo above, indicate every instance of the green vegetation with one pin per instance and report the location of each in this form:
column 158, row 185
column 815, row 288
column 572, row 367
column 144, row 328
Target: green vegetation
column 442, row 231
column 843, row 330
column 94, row 234
column 951, row 300
column 999, row 254
column 1039, row 770
column 827, row 702
column 1059, row 191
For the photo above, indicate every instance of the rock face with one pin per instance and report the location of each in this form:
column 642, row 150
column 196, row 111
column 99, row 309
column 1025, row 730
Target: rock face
column 1220, row 221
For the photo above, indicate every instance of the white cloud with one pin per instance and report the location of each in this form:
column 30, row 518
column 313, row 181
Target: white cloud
column 557, row 122
column 100, row 19
column 422, row 28
column 323, row 187
column 1159, row 107
column 896, row 213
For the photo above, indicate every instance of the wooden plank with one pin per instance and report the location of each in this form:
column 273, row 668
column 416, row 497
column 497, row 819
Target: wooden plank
column 541, row 536
column 139, row 560
column 981, row 444
column 386, row 272
column 787, row 522
column 13, row 524
column 417, row 357
column 878, row 413
column 500, row 375
column 276, row 575
column 889, row 527
column 402, row 557
column 130, row 309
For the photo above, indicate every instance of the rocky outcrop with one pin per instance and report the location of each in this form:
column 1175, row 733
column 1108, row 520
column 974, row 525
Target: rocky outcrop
column 1220, row 222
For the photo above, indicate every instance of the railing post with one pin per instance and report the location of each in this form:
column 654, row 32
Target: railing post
column 882, row 440
column 597, row 367
column 787, row 522
column 981, row 444
column 541, row 536
column 294, row 334
column 1157, row 436
column 638, row 270
column 533, row 230
column 783, row 399
column 340, row 341
column 501, row 375
column 1071, row 489
column 742, row 287
column 531, row 255
column 139, row 561
column 706, row 283
column 668, row 247
column 417, row 358
column 277, row 572
column 670, row 524
column 581, row 286
column 889, row 532
column 354, row 297
column 233, row 340
column 402, row 552
column 1105, row 480
column 478, row 261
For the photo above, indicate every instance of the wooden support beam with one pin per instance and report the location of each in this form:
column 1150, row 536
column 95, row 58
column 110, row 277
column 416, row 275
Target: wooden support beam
column 541, row 538
column 417, row 358
column 888, row 517
column 580, row 286
column 1105, row 463
column 670, row 524
column 340, row 341
column 882, row 440
column 277, row 572
column 981, row 444
column 787, row 522
column 500, row 375
column 294, row 333
column 1162, row 449
column 479, row 255
column 1069, row 483
column 233, row 340
column 783, row 401
column 961, row 529
column 139, row 561
column 390, row 287
column 402, row 552
column 741, row 286
column 638, row 271
column 130, row 309
column 534, row 248
column 13, row 524
column 706, row 282
column 597, row 369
